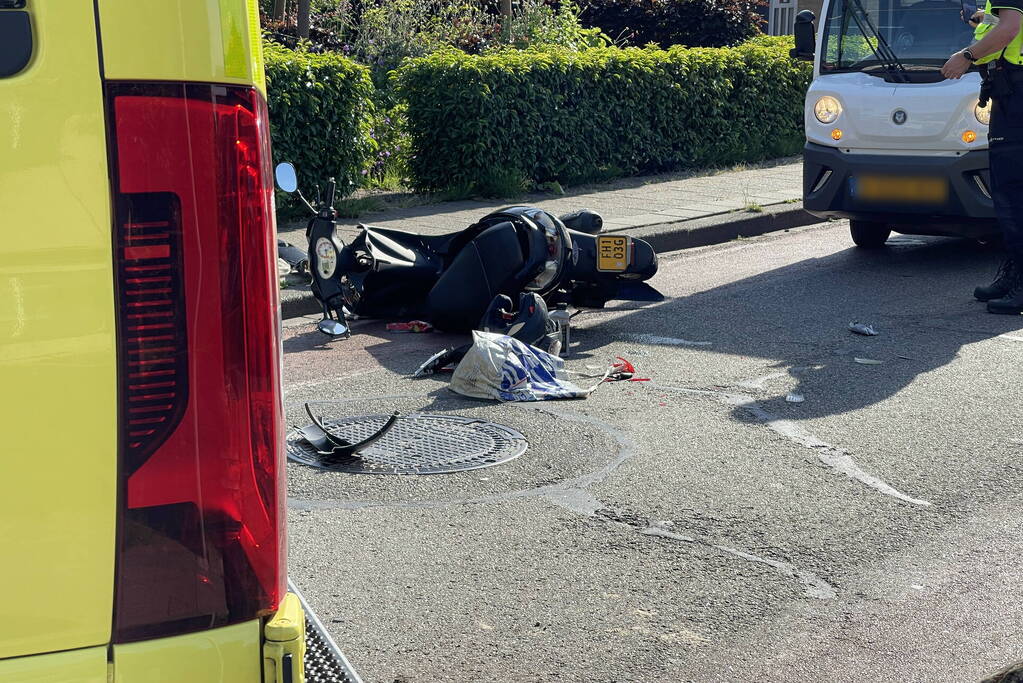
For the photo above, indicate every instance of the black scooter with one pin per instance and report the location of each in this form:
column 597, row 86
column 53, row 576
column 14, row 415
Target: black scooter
column 451, row 280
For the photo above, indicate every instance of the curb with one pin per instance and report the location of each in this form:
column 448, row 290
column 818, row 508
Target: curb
column 724, row 227
column 681, row 234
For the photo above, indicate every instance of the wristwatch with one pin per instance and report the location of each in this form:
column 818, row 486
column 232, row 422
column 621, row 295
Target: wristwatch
column 969, row 55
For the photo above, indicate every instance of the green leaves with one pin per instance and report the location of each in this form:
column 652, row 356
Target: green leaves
column 487, row 123
column 566, row 116
column 320, row 115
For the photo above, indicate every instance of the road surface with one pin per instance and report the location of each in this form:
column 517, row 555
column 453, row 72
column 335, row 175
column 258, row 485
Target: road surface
column 699, row 526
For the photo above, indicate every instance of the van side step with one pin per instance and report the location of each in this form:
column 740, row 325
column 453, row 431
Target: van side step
column 324, row 661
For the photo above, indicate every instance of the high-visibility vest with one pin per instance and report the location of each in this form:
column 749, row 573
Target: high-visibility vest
column 1012, row 52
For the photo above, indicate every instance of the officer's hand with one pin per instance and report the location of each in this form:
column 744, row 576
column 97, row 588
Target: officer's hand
column 956, row 66
column 977, row 17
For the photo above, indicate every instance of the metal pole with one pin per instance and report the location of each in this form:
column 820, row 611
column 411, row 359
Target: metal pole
column 303, row 18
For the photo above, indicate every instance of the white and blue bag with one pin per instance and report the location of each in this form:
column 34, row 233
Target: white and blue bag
column 506, row 369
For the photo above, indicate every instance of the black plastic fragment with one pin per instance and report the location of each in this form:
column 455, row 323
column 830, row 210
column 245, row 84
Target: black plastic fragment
column 334, row 450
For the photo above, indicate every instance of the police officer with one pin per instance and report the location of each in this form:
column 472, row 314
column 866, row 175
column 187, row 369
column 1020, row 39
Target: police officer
column 997, row 51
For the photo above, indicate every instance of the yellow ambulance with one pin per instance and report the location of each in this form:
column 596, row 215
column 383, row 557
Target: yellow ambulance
column 142, row 517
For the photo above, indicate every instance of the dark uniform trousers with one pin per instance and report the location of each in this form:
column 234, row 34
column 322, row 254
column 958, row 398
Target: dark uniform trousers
column 1005, row 137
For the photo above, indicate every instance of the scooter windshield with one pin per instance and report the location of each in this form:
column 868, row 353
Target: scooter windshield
column 885, row 36
column 558, row 244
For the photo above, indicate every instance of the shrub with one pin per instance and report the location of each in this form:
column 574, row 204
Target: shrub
column 320, row 115
column 536, row 23
column 695, row 23
column 568, row 116
column 388, row 168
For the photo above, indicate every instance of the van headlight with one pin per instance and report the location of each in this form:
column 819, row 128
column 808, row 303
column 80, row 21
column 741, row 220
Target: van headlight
column 827, row 109
column 983, row 114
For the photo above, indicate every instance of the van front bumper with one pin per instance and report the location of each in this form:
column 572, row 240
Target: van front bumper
column 829, row 177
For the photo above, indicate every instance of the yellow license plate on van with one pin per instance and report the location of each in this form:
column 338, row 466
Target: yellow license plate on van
column 614, row 253
column 900, row 189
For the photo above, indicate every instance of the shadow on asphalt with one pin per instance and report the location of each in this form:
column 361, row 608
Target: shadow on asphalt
column 917, row 293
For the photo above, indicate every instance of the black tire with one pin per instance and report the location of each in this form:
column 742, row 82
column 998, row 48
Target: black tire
column 869, row 235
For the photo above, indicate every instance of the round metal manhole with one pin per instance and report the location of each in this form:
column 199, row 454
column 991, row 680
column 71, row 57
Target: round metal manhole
column 417, row 444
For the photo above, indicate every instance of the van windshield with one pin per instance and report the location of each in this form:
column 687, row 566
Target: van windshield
column 872, row 35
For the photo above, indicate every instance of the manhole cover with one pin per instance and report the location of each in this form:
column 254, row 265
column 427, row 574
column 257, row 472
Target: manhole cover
column 417, row 444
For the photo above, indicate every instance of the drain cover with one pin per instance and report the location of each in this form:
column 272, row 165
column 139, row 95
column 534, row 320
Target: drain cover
column 419, row 443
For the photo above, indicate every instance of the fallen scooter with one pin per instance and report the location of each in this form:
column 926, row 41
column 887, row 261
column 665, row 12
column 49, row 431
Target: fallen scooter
column 451, row 280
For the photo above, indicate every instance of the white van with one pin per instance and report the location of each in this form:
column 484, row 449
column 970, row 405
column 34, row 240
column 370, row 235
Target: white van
column 892, row 145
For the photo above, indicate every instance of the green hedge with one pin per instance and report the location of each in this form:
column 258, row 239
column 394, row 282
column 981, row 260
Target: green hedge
column 320, row 114
column 571, row 116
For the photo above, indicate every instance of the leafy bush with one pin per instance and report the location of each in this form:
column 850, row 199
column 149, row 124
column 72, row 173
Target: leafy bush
column 320, row 115
column 537, row 23
column 695, row 23
column 568, row 116
column 388, row 168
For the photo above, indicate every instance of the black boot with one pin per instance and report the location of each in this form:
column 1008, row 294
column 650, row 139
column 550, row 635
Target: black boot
column 1012, row 302
column 1003, row 280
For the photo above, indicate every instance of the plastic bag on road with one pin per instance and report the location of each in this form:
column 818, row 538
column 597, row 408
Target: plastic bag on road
column 503, row 368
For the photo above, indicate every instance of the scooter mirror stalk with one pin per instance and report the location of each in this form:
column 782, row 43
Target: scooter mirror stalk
column 286, row 177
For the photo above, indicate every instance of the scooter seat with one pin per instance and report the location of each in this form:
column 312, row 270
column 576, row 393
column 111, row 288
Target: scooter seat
column 481, row 270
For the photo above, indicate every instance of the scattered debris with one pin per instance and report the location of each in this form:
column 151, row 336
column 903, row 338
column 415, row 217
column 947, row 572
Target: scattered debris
column 623, row 370
column 868, row 361
column 333, row 450
column 283, row 268
column 445, row 359
column 297, row 258
column 865, row 330
column 411, row 326
column 530, row 323
column 795, row 398
column 419, row 443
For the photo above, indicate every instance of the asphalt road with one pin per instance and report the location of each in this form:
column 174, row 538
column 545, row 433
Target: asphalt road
column 698, row 527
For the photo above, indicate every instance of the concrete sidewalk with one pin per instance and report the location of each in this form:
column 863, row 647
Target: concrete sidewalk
column 671, row 211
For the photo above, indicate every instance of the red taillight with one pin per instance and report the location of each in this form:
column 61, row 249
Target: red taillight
column 201, row 540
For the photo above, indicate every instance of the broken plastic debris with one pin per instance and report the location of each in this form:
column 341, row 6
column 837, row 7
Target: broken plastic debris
column 410, row 326
column 865, row 330
column 283, row 268
column 621, row 370
column 795, row 398
column 441, row 360
column 867, row 361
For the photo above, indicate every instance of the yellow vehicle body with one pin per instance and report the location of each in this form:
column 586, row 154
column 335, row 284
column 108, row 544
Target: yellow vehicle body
column 58, row 346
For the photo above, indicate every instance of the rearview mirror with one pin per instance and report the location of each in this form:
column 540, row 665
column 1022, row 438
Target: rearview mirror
column 806, row 36
column 287, row 180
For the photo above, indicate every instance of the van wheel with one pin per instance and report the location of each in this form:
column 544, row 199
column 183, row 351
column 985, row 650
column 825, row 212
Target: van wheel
column 868, row 234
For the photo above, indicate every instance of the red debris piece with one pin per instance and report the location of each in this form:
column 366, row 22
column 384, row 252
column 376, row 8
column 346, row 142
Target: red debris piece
column 410, row 326
column 623, row 370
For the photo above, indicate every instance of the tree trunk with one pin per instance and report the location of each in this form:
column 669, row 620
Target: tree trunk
column 506, row 8
column 303, row 18
column 280, row 7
